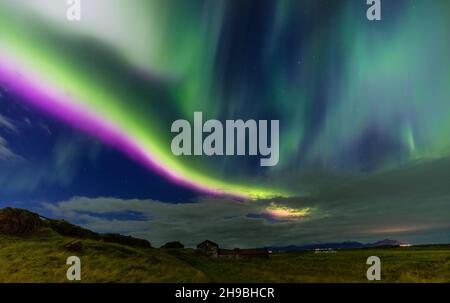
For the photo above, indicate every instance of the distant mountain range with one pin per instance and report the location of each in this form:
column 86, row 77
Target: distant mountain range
column 338, row 245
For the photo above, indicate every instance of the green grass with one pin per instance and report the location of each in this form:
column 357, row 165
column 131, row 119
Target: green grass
column 419, row 264
column 42, row 258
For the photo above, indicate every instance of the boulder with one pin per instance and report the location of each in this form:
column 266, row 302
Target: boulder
column 15, row 221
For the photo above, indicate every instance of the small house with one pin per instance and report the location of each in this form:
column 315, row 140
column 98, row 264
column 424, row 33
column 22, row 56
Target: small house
column 209, row 248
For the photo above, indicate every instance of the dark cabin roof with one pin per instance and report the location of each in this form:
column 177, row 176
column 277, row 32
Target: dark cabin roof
column 207, row 243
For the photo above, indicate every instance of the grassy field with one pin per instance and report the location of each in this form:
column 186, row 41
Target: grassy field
column 42, row 258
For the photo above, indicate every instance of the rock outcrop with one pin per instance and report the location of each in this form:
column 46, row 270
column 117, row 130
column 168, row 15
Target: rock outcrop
column 64, row 228
column 17, row 222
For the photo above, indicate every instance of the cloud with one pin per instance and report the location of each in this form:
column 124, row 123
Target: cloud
column 44, row 157
column 224, row 220
column 59, row 167
column 7, row 124
column 409, row 204
column 7, row 154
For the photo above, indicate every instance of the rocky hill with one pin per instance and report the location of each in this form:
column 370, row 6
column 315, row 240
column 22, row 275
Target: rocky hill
column 17, row 222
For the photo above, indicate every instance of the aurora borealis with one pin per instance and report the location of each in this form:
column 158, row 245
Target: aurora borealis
column 355, row 99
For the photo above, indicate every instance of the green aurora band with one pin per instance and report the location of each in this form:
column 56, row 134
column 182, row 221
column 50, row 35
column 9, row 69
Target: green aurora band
column 141, row 65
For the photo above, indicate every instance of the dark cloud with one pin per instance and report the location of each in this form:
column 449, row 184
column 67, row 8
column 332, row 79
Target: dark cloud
column 413, row 209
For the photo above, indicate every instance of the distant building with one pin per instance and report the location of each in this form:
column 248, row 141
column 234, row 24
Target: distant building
column 209, row 248
column 212, row 249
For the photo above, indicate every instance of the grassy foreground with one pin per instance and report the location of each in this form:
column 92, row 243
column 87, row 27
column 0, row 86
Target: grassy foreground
column 42, row 258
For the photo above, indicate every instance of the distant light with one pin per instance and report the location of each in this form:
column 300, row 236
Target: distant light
column 285, row 212
column 405, row 245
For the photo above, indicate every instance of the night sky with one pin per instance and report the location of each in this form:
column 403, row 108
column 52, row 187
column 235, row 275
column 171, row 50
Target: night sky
column 364, row 108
